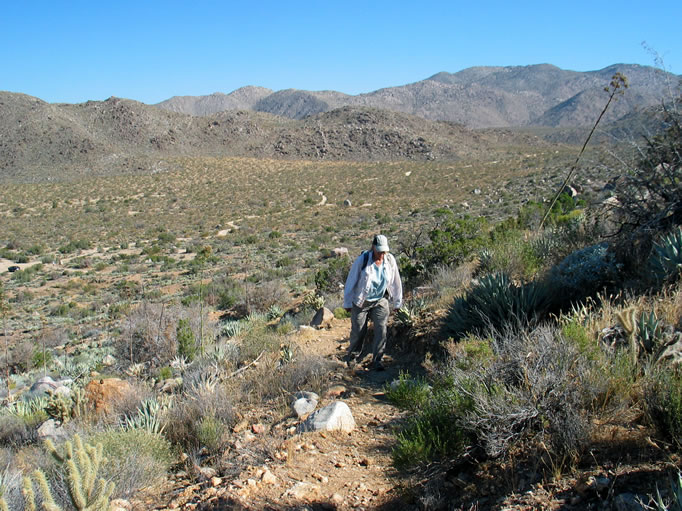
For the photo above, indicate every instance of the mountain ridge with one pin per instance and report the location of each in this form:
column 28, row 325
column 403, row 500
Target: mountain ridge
column 478, row 97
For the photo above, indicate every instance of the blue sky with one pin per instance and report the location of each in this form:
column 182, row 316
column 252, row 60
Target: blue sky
column 74, row 51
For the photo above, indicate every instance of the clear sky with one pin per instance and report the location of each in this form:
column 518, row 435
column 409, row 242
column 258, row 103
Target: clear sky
column 148, row 50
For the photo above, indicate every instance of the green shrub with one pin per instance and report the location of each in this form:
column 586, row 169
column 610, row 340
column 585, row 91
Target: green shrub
column 454, row 241
column 341, row 313
column 332, row 277
column 134, row 459
column 434, row 432
column 663, row 398
column 187, row 346
column 408, row 393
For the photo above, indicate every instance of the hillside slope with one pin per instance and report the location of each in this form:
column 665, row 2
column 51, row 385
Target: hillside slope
column 41, row 141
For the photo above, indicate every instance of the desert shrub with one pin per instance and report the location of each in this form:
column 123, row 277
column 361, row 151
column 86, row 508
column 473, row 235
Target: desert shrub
column 534, row 388
column 149, row 333
column 187, row 346
column 435, row 431
column 133, row 459
column 497, row 303
column 332, row 276
column 224, row 293
column 261, row 297
column 649, row 201
column 341, row 313
column 213, row 403
column 408, row 393
column 453, row 241
column 663, row 400
column 583, row 273
column 15, row 431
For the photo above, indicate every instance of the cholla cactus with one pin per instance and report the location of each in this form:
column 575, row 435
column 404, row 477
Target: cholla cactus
column 81, row 464
column 59, row 407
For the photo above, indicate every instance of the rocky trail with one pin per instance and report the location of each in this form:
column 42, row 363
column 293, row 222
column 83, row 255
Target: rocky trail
column 312, row 470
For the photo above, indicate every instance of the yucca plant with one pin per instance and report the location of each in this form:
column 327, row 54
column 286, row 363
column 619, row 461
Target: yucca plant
column 275, row 312
column 665, row 261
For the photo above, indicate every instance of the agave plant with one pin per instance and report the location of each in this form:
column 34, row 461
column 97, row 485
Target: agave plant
column 232, row 328
column 649, row 330
column 148, row 418
column 665, row 261
column 275, row 312
column 496, row 302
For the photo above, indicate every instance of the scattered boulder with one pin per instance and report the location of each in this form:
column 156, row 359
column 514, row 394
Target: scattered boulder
column 47, row 386
column 672, row 350
column 44, row 385
column 103, row 394
column 50, row 429
column 340, row 252
column 323, row 318
column 335, row 391
column 334, row 417
column 304, row 405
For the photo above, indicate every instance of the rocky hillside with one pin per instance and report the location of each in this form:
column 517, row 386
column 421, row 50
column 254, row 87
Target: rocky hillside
column 39, row 140
column 539, row 95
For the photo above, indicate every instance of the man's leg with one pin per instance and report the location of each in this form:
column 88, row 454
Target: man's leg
column 358, row 329
column 379, row 315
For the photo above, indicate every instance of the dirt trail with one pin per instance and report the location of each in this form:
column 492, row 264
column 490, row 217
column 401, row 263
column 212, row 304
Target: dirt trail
column 325, row 470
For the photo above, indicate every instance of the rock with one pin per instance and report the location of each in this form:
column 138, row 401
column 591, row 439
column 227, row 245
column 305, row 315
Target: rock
column 347, row 203
column 335, row 391
column 216, row 481
column 108, row 361
column 672, row 352
column 103, row 394
column 340, row 252
column 49, row 429
column 337, row 500
column 240, row 426
column 323, row 318
column 304, row 406
column 43, row 386
column 629, row 502
column 258, row 429
column 303, row 491
column 268, row 478
column 120, row 505
column 169, row 386
column 207, row 473
column 334, row 417
column 305, row 394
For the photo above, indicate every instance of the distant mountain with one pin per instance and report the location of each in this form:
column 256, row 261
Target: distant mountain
column 39, row 140
column 478, row 97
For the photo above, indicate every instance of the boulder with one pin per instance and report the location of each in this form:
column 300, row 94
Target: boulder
column 103, row 394
column 108, row 361
column 323, row 318
column 340, row 252
column 43, row 386
column 334, row 417
column 304, row 405
column 49, row 429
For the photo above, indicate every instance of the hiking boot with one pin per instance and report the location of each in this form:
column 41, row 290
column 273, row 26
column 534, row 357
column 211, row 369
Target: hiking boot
column 378, row 366
column 351, row 362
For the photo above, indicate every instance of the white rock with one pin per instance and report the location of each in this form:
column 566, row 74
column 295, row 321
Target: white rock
column 334, row 417
column 304, row 406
